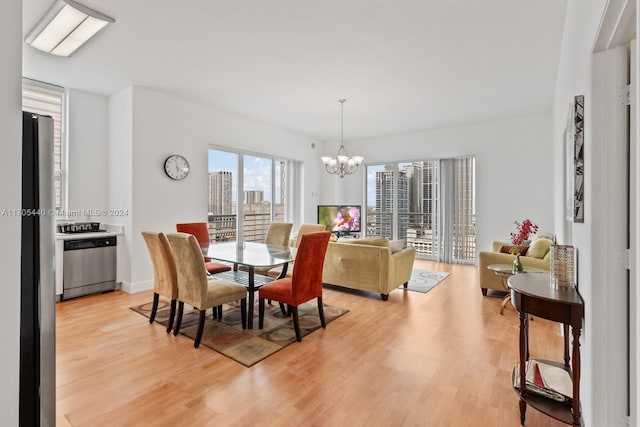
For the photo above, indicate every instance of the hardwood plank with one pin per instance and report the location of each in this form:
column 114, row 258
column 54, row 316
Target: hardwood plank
column 438, row 359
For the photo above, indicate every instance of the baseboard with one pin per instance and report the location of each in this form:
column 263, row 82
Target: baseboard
column 132, row 288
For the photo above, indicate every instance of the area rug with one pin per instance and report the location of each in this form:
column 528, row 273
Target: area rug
column 423, row 280
column 248, row 346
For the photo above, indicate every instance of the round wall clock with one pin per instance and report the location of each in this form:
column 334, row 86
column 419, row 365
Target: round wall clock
column 176, row 167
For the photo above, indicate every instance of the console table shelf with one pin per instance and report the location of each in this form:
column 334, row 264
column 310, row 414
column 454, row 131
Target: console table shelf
column 531, row 294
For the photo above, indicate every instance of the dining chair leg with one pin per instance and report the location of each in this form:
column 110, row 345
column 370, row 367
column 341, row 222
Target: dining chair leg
column 282, row 309
column 154, row 307
column 220, row 312
column 260, row 313
column 214, row 312
column 296, row 322
column 321, row 313
column 172, row 315
column 203, row 314
column 243, row 312
column 176, row 331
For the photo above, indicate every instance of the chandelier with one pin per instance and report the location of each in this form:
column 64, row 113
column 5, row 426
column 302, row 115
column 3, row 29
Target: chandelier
column 341, row 164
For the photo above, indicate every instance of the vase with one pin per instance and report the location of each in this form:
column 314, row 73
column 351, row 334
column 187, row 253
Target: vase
column 517, row 265
column 562, row 266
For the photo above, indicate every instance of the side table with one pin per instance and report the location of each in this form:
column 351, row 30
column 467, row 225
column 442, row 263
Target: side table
column 532, row 294
column 505, row 271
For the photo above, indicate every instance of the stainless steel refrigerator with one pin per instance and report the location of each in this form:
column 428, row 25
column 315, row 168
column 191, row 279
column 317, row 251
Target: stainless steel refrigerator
column 37, row 303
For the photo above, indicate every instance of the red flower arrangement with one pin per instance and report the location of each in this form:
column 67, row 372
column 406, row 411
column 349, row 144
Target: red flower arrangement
column 523, row 230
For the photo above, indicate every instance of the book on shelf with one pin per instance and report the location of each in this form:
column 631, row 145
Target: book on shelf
column 547, row 380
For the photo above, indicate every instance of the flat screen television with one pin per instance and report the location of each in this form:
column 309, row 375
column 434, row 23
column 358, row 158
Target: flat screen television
column 340, row 219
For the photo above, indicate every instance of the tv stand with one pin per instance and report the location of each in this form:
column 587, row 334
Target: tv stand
column 346, row 235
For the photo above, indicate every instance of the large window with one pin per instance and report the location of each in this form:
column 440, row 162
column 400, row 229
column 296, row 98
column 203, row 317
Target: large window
column 48, row 100
column 263, row 196
column 428, row 203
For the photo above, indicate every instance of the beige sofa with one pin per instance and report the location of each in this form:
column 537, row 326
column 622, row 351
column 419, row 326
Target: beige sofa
column 537, row 256
column 368, row 265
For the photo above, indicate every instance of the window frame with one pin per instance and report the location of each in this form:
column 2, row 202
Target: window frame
column 292, row 166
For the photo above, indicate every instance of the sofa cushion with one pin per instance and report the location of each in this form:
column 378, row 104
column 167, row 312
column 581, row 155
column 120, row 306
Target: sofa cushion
column 507, row 249
column 372, row 241
column 539, row 248
column 396, row 245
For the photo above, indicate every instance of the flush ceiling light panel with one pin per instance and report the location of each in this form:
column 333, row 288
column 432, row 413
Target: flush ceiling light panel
column 66, row 27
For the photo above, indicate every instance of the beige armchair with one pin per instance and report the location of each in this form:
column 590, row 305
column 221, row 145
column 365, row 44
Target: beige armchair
column 537, row 256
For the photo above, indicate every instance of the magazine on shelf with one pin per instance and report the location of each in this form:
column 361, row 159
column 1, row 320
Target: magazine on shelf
column 547, row 380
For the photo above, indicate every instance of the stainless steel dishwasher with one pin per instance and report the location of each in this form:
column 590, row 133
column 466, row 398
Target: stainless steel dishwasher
column 89, row 266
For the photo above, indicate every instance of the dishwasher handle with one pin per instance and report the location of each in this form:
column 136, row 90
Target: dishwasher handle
column 99, row 242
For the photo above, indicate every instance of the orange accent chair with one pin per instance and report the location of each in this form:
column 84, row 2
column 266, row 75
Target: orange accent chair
column 201, row 233
column 165, row 280
column 196, row 288
column 305, row 282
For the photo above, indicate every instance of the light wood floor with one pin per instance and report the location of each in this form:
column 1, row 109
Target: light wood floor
column 438, row 359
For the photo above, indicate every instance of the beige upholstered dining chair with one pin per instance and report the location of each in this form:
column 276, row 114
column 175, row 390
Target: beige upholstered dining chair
column 164, row 273
column 201, row 232
column 278, row 234
column 196, row 288
column 304, row 229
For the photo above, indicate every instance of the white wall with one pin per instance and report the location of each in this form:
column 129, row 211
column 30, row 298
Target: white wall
column 87, row 170
column 513, row 169
column 10, row 195
column 601, row 276
column 162, row 125
column 120, row 174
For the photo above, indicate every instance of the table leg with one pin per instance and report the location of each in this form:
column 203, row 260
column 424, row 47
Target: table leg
column 524, row 357
column 505, row 301
column 251, row 289
column 283, row 272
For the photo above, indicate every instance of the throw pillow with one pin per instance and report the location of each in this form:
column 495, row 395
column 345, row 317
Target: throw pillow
column 396, row 245
column 544, row 235
column 508, row 249
column 539, row 248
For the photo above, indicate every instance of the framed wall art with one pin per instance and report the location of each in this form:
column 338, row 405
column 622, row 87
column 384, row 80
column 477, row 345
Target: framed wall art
column 578, row 159
column 568, row 162
column 574, row 161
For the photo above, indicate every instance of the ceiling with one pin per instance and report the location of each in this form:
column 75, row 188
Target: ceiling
column 402, row 65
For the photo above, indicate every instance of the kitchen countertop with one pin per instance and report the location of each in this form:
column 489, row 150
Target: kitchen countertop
column 76, row 236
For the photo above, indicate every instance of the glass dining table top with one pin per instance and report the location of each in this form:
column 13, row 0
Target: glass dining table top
column 250, row 253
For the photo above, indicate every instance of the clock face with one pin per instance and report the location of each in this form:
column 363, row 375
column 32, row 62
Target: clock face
column 176, row 167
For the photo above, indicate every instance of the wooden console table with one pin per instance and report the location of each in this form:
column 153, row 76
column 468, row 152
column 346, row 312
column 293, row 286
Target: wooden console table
column 532, row 294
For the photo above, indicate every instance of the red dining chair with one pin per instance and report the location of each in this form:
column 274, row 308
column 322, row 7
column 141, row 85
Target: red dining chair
column 305, row 282
column 201, row 232
column 276, row 272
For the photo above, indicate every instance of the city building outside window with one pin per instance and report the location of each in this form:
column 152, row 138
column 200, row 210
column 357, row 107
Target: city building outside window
column 408, row 200
column 264, row 192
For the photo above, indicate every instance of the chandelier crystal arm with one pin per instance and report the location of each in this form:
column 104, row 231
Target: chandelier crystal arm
column 341, row 164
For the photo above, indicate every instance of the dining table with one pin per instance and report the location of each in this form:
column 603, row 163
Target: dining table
column 252, row 255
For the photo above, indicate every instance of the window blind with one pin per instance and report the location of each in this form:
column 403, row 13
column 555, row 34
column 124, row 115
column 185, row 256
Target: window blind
column 48, row 100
